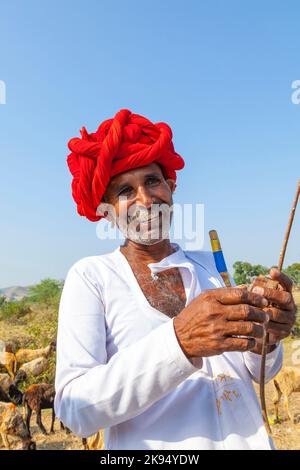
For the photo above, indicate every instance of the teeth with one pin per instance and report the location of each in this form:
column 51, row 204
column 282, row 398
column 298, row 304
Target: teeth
column 141, row 217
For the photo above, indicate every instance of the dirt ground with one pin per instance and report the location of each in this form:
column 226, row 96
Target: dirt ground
column 286, row 435
column 57, row 441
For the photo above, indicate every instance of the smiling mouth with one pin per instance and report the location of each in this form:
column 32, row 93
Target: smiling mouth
column 143, row 220
column 150, row 223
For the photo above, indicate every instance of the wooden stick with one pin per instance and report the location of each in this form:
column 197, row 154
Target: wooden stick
column 288, row 231
column 262, row 388
column 266, row 338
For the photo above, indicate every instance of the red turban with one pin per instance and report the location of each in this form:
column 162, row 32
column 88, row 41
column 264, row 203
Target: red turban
column 127, row 141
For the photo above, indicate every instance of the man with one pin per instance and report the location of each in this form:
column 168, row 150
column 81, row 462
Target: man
column 151, row 346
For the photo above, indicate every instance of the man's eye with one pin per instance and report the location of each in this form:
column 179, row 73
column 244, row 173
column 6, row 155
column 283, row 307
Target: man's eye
column 125, row 191
column 153, row 180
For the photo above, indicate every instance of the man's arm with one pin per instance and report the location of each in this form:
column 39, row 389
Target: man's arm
column 93, row 393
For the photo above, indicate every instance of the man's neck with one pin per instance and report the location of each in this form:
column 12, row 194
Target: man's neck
column 146, row 254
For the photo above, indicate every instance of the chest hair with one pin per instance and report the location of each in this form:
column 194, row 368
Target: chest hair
column 166, row 294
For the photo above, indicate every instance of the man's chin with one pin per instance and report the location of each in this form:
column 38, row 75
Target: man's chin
column 147, row 241
column 144, row 239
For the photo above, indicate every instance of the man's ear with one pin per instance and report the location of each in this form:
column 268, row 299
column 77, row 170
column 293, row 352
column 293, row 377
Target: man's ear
column 171, row 184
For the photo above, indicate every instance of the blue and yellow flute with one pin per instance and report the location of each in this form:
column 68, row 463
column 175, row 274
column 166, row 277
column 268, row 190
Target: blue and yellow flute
column 219, row 257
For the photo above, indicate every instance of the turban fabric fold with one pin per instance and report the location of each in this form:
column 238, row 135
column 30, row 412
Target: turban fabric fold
column 120, row 144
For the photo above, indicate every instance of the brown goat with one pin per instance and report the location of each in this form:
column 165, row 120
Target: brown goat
column 12, row 424
column 36, row 398
column 8, row 361
column 28, row 355
column 285, row 383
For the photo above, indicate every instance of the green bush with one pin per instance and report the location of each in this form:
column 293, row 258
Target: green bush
column 47, row 292
column 14, row 309
column 245, row 272
column 294, row 272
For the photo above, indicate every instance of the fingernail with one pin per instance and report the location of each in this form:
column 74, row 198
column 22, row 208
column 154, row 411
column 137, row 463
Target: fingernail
column 258, row 290
column 267, row 318
column 265, row 302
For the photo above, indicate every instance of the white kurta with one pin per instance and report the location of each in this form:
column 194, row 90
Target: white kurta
column 120, row 366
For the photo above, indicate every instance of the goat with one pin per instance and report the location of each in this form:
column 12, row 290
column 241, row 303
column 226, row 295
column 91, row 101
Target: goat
column 285, row 383
column 37, row 398
column 12, row 345
column 3, row 396
column 12, row 393
column 15, row 395
column 28, row 355
column 35, row 367
column 94, row 442
column 6, row 381
column 12, row 424
column 8, row 361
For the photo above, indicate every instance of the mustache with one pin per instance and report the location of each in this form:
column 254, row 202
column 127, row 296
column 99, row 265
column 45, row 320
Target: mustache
column 142, row 214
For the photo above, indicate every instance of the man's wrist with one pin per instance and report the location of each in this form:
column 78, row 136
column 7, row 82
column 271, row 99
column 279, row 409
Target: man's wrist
column 181, row 338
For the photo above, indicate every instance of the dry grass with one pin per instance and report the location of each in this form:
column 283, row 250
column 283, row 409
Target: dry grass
column 286, row 434
column 39, row 327
column 297, row 296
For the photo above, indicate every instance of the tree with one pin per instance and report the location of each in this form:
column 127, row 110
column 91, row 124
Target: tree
column 2, row 300
column 47, row 292
column 244, row 272
column 294, row 272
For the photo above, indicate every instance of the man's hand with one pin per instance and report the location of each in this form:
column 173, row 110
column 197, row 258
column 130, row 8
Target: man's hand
column 210, row 324
column 282, row 309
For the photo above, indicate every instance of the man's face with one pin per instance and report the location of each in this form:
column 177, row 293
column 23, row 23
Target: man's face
column 142, row 201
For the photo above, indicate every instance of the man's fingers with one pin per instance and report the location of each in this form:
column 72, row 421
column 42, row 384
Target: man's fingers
column 246, row 312
column 278, row 329
column 242, row 328
column 281, row 298
column 281, row 316
column 236, row 295
column 284, row 280
column 239, row 344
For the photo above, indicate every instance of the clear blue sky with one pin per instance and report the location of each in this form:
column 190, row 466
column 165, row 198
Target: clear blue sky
column 219, row 72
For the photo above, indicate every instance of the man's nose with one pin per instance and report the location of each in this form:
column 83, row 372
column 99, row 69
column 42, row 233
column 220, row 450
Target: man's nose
column 144, row 197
